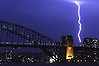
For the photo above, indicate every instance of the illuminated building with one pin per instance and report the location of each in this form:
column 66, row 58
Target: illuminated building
column 91, row 42
column 86, row 54
column 89, row 52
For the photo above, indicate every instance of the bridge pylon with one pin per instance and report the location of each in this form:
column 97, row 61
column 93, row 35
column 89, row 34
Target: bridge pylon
column 67, row 53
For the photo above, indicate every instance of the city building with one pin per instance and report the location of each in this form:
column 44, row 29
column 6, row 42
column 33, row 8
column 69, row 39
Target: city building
column 86, row 54
column 91, row 42
column 67, row 53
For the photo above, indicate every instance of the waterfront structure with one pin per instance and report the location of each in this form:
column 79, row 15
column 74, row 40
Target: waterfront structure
column 91, row 42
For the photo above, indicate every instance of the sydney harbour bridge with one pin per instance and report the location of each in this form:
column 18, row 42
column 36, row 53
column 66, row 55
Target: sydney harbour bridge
column 14, row 35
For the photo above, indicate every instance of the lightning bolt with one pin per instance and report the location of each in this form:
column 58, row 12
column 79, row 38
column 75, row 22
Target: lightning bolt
column 80, row 28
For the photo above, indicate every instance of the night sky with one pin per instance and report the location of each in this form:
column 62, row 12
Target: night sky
column 53, row 18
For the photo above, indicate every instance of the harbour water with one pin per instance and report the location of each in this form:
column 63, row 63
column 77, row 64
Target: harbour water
column 54, row 64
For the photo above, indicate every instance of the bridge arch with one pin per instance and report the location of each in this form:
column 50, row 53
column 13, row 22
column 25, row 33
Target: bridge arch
column 30, row 36
column 27, row 33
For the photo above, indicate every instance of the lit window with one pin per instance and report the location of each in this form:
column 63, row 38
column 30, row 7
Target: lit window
column 96, row 57
column 87, row 55
column 85, row 60
column 74, row 60
column 94, row 53
column 94, row 60
column 77, row 60
column 68, row 60
column 80, row 60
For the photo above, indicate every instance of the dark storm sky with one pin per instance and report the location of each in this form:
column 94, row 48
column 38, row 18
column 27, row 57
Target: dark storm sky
column 53, row 18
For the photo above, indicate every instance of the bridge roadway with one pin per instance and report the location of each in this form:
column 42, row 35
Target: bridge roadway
column 29, row 45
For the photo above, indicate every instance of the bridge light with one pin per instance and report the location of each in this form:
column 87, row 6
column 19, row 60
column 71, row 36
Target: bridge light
column 51, row 60
column 32, row 61
column 4, row 26
column 6, row 51
column 23, row 60
column 10, row 28
column 27, row 35
column 18, row 47
column 56, row 56
column 19, row 56
column 53, row 57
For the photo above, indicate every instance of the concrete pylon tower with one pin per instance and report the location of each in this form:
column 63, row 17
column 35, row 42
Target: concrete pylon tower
column 67, row 53
column 69, row 47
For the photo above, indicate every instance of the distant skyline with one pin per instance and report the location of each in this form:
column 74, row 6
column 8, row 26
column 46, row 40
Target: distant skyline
column 53, row 18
